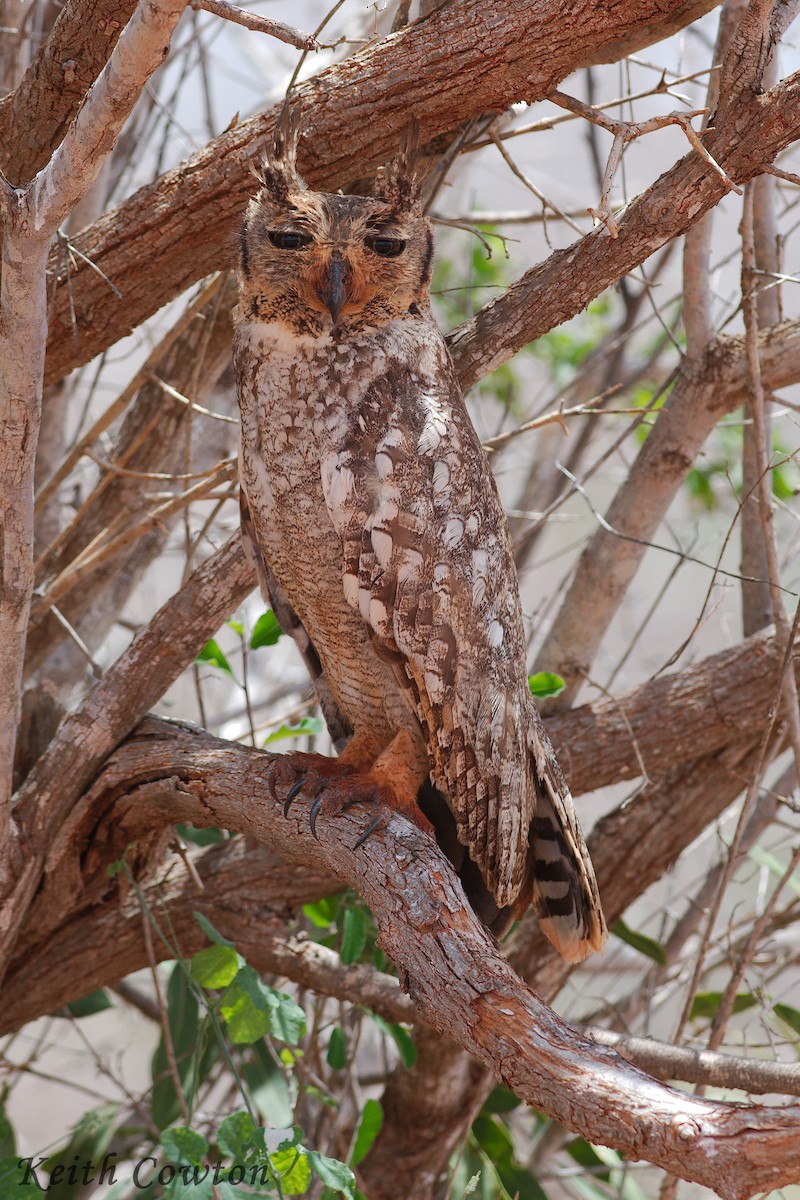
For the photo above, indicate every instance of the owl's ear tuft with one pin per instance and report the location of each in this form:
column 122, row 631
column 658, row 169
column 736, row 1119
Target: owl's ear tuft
column 278, row 172
column 399, row 183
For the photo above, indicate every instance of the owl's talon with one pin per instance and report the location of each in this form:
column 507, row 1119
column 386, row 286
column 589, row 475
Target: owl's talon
column 312, row 816
column 292, row 792
column 374, row 824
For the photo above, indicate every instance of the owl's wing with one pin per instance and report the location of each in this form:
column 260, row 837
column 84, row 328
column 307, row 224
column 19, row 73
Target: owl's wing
column 428, row 563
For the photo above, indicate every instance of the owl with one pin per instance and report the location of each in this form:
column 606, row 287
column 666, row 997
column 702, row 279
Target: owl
column 381, row 543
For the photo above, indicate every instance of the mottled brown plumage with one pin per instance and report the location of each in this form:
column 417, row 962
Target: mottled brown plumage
column 383, row 543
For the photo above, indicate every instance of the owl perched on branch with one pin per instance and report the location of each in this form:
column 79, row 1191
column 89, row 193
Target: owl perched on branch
column 382, row 545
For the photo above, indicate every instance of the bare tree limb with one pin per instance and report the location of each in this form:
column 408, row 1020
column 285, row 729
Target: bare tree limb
column 39, row 110
column 463, row 986
column 259, row 24
column 138, row 678
column 704, row 390
column 701, row 1066
column 499, row 60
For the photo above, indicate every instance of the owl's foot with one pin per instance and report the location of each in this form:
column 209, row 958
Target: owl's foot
column 337, row 784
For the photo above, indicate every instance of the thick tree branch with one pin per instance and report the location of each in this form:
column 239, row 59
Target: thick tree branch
column 139, row 677
column 39, row 110
column 463, row 58
column 460, row 981
column 599, row 744
column 630, row 848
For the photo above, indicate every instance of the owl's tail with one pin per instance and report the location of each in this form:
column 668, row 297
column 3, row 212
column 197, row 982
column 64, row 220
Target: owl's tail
column 559, row 877
column 561, row 880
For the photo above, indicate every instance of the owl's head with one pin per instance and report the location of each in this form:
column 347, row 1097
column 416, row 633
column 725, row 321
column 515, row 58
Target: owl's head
column 318, row 262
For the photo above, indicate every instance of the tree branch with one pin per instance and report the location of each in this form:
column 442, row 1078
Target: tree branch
column 492, row 60
column 457, row 976
column 39, row 110
column 704, row 390
column 138, row 678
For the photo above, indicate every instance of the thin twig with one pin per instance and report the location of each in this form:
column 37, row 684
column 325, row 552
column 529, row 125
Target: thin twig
column 628, row 131
column 166, row 1032
column 259, row 24
column 556, row 417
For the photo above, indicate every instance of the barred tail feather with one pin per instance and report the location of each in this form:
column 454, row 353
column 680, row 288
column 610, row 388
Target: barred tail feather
column 565, row 894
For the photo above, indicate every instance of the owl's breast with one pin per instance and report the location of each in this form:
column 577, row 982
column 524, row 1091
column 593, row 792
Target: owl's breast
column 292, row 405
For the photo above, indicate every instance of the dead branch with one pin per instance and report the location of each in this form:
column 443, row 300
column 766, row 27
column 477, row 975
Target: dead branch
column 259, row 24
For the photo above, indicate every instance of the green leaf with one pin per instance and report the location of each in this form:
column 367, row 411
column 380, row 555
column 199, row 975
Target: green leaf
column 183, row 1022
column 200, row 837
column 337, row 1049
column 210, row 932
column 293, row 1168
column 246, row 1022
column 308, row 726
column 520, row 1184
column 706, row 1004
column 213, row 655
column 7, row 1140
column 545, row 683
column 13, row 1178
column 640, row 941
column 183, row 1145
column 369, row 1127
column 354, row 935
column 332, row 1173
column 95, row 1002
column 405, row 1044
column 236, row 626
column 266, row 631
column 236, row 1136
column 215, row 966
column 493, row 1138
column 775, row 867
column 252, row 1009
column 584, row 1153
column 267, row 1086
column 789, row 1015
column 323, row 912
column 401, row 1038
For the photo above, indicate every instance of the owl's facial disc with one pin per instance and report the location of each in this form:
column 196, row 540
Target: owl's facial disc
column 321, row 262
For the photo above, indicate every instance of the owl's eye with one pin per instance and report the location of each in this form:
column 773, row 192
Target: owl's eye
column 387, row 247
column 288, row 240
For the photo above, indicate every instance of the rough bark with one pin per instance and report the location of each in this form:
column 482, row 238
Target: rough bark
column 467, row 59
column 702, row 704
column 458, row 978
column 40, row 109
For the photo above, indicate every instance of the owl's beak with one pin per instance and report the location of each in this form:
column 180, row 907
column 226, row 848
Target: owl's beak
column 334, row 291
